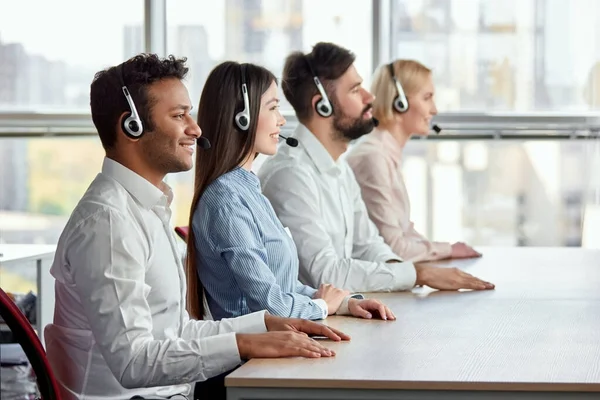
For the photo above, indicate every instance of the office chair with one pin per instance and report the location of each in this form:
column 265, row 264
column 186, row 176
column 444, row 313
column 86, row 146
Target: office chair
column 182, row 232
column 29, row 341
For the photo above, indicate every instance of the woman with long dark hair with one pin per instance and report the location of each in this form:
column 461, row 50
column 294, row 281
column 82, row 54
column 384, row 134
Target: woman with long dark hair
column 240, row 258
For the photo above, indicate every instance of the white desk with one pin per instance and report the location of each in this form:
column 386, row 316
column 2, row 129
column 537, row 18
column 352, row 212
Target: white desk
column 535, row 337
column 17, row 256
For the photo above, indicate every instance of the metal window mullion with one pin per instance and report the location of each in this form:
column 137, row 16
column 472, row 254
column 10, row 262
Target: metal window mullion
column 155, row 27
column 382, row 32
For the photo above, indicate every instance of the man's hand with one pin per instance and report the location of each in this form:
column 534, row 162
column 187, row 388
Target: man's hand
column 449, row 279
column 461, row 250
column 332, row 296
column 279, row 344
column 364, row 308
column 298, row 325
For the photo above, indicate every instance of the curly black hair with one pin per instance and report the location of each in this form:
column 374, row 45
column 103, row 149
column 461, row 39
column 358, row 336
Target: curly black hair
column 107, row 101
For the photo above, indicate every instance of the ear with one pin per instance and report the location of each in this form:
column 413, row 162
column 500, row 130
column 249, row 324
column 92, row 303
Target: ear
column 313, row 103
column 121, row 135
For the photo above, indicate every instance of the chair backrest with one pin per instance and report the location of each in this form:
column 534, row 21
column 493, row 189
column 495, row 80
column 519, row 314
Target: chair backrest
column 182, row 232
column 29, row 341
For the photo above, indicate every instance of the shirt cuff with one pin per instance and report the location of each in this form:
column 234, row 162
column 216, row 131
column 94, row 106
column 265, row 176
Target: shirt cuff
column 221, row 354
column 323, row 306
column 405, row 276
column 385, row 257
column 249, row 323
column 344, row 309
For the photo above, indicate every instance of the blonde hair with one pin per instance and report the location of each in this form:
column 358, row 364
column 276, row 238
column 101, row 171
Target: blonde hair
column 411, row 74
column 591, row 92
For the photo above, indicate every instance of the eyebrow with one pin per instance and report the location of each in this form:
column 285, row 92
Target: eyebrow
column 357, row 84
column 182, row 107
column 273, row 100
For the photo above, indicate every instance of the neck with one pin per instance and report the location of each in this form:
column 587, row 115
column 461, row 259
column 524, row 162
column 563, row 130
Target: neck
column 398, row 133
column 137, row 165
column 247, row 165
column 333, row 143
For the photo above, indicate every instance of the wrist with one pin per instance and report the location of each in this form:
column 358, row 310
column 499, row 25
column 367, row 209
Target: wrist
column 242, row 345
column 268, row 319
column 421, row 272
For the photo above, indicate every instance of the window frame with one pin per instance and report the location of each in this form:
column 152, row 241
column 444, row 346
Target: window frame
column 457, row 125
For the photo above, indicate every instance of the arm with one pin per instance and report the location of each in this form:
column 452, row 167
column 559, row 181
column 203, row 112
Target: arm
column 237, row 240
column 374, row 177
column 367, row 243
column 108, row 261
column 294, row 196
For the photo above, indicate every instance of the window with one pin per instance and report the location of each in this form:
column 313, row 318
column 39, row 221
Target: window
column 509, row 55
column 264, row 32
column 48, row 62
column 42, row 181
column 505, row 193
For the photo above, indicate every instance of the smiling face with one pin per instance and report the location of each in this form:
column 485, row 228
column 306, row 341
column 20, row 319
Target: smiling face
column 169, row 147
column 269, row 124
column 417, row 120
column 352, row 105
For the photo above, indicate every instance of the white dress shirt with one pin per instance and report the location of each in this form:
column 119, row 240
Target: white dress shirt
column 120, row 325
column 320, row 201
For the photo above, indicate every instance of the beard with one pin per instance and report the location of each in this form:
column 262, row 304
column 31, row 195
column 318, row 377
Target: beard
column 159, row 152
column 350, row 128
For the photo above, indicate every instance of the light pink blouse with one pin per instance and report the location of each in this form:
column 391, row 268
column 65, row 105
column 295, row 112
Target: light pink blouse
column 376, row 162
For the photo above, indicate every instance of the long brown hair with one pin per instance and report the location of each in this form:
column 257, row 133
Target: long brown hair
column 220, row 101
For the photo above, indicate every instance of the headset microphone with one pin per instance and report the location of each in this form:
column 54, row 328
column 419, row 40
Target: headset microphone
column 290, row 141
column 203, row 142
column 437, row 129
column 375, row 122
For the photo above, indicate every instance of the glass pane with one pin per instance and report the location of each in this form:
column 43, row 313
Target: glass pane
column 264, row 32
column 505, row 193
column 505, row 55
column 42, row 180
column 48, row 63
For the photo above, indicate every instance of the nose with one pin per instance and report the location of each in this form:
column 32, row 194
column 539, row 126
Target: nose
column 434, row 110
column 368, row 97
column 193, row 129
column 281, row 120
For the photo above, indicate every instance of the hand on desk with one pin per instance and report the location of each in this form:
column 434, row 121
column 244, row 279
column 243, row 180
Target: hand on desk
column 462, row 250
column 449, row 279
column 332, row 296
column 364, row 308
column 287, row 337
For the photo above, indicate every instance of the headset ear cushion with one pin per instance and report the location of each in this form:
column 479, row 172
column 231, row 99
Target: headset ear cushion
column 133, row 126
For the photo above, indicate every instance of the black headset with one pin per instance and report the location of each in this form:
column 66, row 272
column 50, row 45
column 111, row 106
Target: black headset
column 131, row 123
column 400, row 102
column 242, row 119
column 323, row 106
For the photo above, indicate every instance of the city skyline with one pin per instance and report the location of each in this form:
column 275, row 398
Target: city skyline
column 455, row 44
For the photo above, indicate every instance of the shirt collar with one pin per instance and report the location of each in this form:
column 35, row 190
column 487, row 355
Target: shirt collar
column 246, row 176
column 317, row 152
column 140, row 188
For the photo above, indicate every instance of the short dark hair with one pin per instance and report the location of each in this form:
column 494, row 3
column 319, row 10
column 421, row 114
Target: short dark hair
column 329, row 61
column 108, row 102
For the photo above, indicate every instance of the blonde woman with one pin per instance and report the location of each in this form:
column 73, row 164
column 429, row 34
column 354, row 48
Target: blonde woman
column 404, row 105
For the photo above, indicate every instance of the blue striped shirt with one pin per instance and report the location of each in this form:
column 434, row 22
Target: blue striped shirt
column 245, row 258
